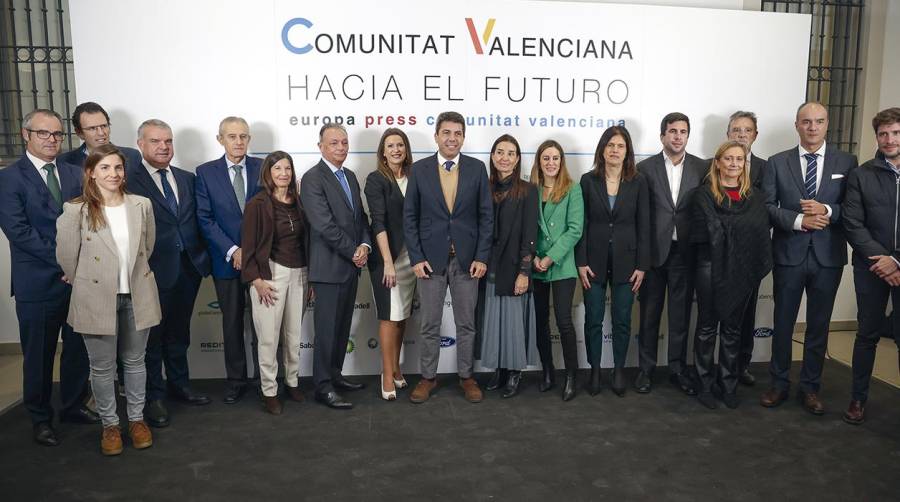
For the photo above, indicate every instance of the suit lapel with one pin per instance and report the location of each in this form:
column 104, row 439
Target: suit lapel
column 30, row 173
column 332, row 180
column 181, row 185
column 252, row 179
column 431, row 177
column 141, row 177
column 68, row 182
column 223, row 177
column 460, row 179
column 134, row 212
column 688, row 177
column 105, row 235
column 794, row 167
column 828, row 160
column 663, row 176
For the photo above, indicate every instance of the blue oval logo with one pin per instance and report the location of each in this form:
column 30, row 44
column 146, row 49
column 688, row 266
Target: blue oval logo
column 446, row 341
column 763, row 332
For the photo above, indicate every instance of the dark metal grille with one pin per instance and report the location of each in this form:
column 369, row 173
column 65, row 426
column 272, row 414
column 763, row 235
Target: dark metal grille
column 834, row 61
column 36, row 69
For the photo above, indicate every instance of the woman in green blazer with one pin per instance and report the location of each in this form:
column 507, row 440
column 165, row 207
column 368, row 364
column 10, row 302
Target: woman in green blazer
column 560, row 224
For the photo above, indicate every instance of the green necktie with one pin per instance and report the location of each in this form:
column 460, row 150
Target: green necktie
column 238, row 185
column 53, row 183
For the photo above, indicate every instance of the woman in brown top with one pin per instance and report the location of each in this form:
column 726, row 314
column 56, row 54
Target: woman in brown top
column 273, row 240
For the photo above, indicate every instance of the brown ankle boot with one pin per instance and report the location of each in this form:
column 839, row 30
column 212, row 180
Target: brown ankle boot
column 111, row 440
column 140, row 435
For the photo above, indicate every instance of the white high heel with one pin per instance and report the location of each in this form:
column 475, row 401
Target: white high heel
column 387, row 396
column 401, row 383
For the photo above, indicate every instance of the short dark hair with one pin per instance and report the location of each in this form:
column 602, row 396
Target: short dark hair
column 740, row 114
column 886, row 117
column 450, row 117
column 673, row 117
column 86, row 107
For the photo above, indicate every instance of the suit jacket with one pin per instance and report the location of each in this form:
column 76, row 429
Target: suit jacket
column 515, row 233
column 871, row 212
column 665, row 215
column 429, row 227
column 258, row 232
column 784, row 186
column 166, row 259
column 28, row 218
column 560, row 225
column 335, row 229
column 627, row 224
column 386, row 210
column 218, row 212
column 91, row 261
column 77, row 156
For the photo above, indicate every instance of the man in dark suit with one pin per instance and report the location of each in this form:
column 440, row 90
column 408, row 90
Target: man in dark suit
column 224, row 186
column 32, row 192
column 742, row 128
column 93, row 127
column 448, row 223
column 179, row 262
column 804, row 188
column 870, row 213
column 672, row 175
column 339, row 246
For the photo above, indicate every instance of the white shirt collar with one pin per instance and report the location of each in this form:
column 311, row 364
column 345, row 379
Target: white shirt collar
column 38, row 163
column 331, row 166
column 672, row 164
column 820, row 152
column 442, row 160
column 229, row 164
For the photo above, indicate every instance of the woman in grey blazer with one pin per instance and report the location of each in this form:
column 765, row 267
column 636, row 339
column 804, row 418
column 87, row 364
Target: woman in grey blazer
column 103, row 241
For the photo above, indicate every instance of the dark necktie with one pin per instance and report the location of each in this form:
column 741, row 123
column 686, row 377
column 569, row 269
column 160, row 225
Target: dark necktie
column 238, row 185
column 342, row 177
column 168, row 192
column 53, row 183
column 448, row 165
column 811, row 162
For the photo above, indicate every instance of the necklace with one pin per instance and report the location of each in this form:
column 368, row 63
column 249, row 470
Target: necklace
column 291, row 221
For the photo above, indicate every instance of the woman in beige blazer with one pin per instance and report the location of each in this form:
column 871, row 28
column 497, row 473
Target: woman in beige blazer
column 103, row 241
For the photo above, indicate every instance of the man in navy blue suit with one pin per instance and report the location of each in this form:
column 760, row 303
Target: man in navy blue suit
column 224, row 186
column 32, row 192
column 179, row 262
column 93, row 127
column 804, row 188
column 448, row 218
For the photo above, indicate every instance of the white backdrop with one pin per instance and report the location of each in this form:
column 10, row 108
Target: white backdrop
column 545, row 70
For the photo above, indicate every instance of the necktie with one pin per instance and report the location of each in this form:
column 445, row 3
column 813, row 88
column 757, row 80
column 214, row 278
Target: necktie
column 448, row 165
column 168, row 192
column 53, row 183
column 238, row 185
column 342, row 177
column 810, row 175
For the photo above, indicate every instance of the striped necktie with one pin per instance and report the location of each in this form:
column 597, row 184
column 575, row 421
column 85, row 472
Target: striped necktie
column 811, row 163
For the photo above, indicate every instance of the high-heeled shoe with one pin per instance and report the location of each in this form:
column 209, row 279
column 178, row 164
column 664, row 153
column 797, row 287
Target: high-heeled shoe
column 498, row 379
column 400, row 383
column 618, row 382
column 548, row 379
column 387, row 396
column 569, row 389
column 596, row 385
column 512, row 384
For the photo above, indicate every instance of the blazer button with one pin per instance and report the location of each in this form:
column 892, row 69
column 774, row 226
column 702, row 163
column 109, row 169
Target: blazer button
column 551, row 223
column 146, row 274
column 96, row 258
column 610, row 225
column 140, row 253
column 95, row 281
column 88, row 238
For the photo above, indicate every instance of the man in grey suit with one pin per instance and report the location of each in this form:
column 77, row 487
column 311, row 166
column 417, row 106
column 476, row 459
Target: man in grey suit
column 805, row 187
column 743, row 129
column 339, row 246
column 672, row 175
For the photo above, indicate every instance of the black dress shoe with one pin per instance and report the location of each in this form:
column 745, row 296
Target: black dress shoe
column 333, row 400
column 642, row 383
column 707, row 399
column 618, row 382
column 186, row 395
column 44, row 434
column 156, row 414
column 512, row 384
column 344, row 384
column 80, row 415
column 234, row 394
column 548, row 378
column 498, row 379
column 745, row 378
column 596, row 382
column 684, row 383
column 569, row 390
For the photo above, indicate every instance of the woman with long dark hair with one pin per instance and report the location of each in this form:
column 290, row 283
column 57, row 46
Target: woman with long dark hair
column 733, row 250
column 507, row 327
column 273, row 240
column 393, row 280
column 104, row 240
column 614, row 249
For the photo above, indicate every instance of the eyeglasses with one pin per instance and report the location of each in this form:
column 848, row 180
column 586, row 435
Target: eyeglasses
column 44, row 134
column 93, row 129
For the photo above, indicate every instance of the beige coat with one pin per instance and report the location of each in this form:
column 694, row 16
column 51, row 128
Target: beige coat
column 90, row 260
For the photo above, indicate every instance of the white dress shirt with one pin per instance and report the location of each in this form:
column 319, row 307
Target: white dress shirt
column 674, row 172
column 157, row 179
column 820, row 168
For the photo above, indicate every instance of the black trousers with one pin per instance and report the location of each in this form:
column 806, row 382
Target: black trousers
column 39, row 330
column 333, row 314
column 674, row 277
column 871, row 299
column 169, row 341
column 233, row 300
column 727, row 330
column 821, row 285
column 748, row 330
column 563, row 291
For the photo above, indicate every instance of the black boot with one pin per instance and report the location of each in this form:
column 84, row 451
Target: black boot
column 512, row 384
column 569, row 389
column 549, row 378
column 596, row 383
column 498, row 379
column 618, row 382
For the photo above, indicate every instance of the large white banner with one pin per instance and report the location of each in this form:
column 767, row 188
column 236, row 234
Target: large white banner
column 536, row 70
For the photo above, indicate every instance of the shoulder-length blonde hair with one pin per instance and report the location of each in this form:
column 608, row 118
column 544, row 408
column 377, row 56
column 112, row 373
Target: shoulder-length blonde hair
column 563, row 180
column 91, row 198
column 715, row 183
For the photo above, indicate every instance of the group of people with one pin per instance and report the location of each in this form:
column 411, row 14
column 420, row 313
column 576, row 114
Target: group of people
column 109, row 245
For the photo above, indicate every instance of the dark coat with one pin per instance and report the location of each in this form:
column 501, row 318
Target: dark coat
column 257, row 233
column 871, row 212
column 513, row 247
column 386, row 211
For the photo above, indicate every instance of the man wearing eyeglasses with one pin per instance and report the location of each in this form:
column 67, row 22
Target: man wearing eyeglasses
column 32, row 192
column 93, row 127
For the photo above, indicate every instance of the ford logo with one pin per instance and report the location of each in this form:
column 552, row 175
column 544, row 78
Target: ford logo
column 446, row 341
column 763, row 332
